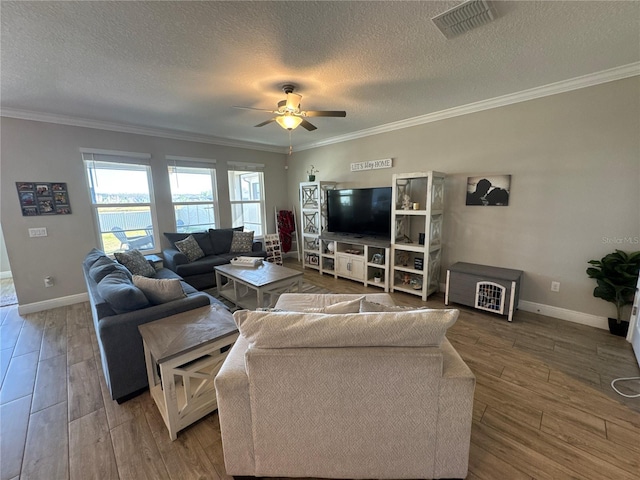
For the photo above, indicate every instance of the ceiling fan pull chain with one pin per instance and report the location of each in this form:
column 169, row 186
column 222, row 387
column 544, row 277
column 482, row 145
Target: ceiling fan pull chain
column 290, row 146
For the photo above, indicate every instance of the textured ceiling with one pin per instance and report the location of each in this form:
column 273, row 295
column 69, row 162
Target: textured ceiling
column 182, row 65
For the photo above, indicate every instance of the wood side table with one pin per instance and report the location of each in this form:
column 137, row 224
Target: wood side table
column 184, row 353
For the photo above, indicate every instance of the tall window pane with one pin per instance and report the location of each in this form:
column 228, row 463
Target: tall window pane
column 247, row 201
column 193, row 192
column 122, row 202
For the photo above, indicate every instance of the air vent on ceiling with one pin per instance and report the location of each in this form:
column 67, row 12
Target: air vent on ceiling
column 464, row 17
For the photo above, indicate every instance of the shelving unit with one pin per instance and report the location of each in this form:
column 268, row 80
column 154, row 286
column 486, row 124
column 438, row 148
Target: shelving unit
column 356, row 258
column 313, row 220
column 416, row 232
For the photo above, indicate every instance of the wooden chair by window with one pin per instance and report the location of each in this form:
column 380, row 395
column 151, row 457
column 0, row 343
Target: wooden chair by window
column 132, row 243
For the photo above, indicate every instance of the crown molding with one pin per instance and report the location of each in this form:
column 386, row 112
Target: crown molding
column 136, row 130
column 605, row 76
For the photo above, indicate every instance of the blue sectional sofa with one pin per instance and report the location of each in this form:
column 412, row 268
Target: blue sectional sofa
column 216, row 246
column 116, row 320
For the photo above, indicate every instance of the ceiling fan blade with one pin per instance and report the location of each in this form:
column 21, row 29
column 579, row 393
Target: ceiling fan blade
column 267, row 122
column 325, row 113
column 307, row 125
column 254, row 109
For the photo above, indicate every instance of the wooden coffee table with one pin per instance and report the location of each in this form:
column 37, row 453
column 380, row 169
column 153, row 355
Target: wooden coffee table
column 247, row 287
column 188, row 349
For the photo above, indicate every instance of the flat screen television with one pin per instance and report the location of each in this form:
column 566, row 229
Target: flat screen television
column 360, row 211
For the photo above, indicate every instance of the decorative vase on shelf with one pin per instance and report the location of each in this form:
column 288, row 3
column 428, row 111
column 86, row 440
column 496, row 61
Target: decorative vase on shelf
column 312, row 178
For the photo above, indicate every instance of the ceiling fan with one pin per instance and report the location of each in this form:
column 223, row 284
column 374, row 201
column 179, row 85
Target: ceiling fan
column 289, row 115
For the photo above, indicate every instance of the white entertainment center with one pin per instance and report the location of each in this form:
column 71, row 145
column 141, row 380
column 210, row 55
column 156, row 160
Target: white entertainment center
column 409, row 261
column 360, row 258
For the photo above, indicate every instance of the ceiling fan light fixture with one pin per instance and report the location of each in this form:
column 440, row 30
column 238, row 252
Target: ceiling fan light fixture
column 293, row 102
column 288, row 121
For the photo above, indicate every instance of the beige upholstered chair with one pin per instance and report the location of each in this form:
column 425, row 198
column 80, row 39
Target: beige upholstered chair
column 345, row 395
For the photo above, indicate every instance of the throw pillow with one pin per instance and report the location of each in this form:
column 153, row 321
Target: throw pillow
column 221, row 239
column 416, row 328
column 242, row 242
column 121, row 294
column 349, row 306
column 190, row 248
column 135, row 263
column 159, row 290
column 204, row 242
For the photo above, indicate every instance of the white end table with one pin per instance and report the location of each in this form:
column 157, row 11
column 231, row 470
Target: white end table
column 188, row 349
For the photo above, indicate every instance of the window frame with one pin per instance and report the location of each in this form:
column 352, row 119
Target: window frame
column 249, row 168
column 195, row 163
column 141, row 161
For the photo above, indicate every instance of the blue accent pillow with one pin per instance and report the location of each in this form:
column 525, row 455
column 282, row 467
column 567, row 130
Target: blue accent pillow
column 121, row 294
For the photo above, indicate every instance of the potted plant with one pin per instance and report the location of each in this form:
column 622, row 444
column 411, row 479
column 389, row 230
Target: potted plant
column 616, row 275
column 312, row 173
column 377, row 276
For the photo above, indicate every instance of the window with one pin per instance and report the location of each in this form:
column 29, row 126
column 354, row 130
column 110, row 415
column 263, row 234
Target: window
column 194, row 197
column 246, row 193
column 122, row 199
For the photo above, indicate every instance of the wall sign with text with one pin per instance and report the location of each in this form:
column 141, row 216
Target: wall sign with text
column 372, row 165
column 43, row 198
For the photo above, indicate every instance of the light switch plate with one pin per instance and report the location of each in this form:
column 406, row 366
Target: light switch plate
column 38, row 232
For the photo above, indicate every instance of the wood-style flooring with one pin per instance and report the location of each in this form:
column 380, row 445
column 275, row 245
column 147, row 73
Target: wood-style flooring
column 543, row 406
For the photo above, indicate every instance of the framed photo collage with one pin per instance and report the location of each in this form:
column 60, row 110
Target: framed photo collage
column 43, row 198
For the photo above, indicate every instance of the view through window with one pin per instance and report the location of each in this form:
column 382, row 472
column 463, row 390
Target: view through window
column 247, row 200
column 194, row 197
column 123, row 205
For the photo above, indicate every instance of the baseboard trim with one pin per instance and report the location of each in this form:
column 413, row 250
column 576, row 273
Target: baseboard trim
column 565, row 314
column 6, row 274
column 53, row 303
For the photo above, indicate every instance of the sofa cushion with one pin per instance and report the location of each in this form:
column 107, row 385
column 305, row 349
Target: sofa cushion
column 367, row 306
column 190, row 248
column 104, row 267
column 159, row 290
column 348, row 306
column 203, row 265
column 242, row 242
column 121, row 294
column 221, row 239
column 416, row 328
column 93, row 256
column 135, row 263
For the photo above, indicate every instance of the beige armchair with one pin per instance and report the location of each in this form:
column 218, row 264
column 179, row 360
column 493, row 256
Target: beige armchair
column 345, row 395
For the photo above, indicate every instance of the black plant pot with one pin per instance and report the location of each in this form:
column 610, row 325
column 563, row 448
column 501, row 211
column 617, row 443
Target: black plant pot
column 619, row 329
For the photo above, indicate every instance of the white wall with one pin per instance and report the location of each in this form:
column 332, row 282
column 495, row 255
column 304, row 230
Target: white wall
column 575, row 165
column 37, row 151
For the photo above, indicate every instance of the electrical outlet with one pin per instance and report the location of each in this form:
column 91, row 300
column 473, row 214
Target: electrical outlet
column 38, row 232
column 555, row 286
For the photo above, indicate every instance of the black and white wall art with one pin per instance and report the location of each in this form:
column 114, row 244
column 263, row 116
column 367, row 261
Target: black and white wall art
column 489, row 190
